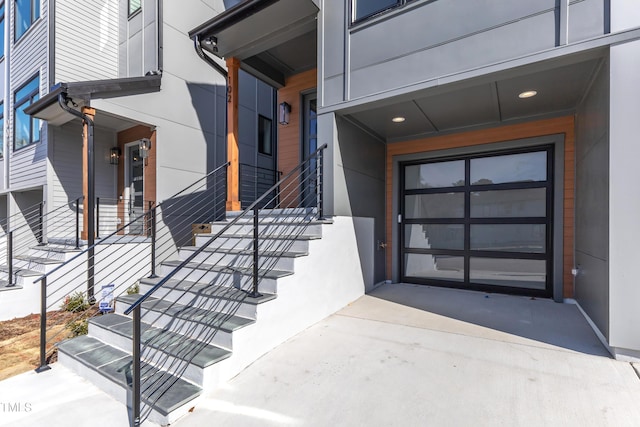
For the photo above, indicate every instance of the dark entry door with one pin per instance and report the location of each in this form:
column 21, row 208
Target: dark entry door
column 309, row 146
column 479, row 222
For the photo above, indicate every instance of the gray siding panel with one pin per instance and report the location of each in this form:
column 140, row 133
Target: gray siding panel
column 586, row 19
column 479, row 49
column 86, row 40
column 592, row 203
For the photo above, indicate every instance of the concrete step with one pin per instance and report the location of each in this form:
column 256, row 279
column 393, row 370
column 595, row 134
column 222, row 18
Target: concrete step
column 274, row 243
column 4, row 286
column 243, row 258
column 178, row 354
column 197, row 294
column 34, row 263
column 167, row 396
column 238, row 277
column 54, row 252
column 21, row 277
column 193, row 321
column 245, row 227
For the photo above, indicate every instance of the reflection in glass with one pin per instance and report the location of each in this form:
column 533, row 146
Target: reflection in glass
column 528, row 238
column 523, row 167
column 515, row 273
column 529, row 202
column 434, row 236
column 442, row 205
column 434, row 175
column 441, row 267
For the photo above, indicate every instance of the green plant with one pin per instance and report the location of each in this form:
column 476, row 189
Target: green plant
column 133, row 289
column 75, row 303
column 78, row 327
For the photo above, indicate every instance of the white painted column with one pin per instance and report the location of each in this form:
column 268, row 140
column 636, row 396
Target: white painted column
column 624, row 200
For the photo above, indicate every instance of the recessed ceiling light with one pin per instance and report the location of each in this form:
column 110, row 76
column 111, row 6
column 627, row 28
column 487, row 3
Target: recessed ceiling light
column 398, row 119
column 528, row 94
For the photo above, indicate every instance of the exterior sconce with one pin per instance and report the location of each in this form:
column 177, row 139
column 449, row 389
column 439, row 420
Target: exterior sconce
column 144, row 147
column 285, row 110
column 114, row 155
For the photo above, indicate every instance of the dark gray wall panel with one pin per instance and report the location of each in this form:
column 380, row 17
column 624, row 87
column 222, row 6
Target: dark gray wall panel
column 586, row 19
column 333, row 37
column 362, row 168
column 441, row 22
column 592, row 202
column 501, row 43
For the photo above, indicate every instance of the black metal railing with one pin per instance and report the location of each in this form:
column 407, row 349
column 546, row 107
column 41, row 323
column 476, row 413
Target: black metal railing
column 255, row 181
column 32, row 226
column 257, row 237
column 115, row 263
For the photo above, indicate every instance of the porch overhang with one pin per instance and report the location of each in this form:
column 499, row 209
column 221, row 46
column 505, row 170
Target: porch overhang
column 48, row 108
column 272, row 38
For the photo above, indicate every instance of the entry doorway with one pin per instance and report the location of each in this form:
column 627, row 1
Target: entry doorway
column 481, row 222
column 309, row 146
column 134, row 189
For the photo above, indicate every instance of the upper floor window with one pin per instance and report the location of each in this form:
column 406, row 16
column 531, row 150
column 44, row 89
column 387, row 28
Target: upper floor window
column 27, row 11
column 26, row 129
column 1, row 30
column 134, row 6
column 363, row 9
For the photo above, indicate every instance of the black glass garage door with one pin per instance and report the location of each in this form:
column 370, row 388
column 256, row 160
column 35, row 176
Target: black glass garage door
column 479, row 222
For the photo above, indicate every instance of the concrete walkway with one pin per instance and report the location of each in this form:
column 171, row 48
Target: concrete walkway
column 403, row 355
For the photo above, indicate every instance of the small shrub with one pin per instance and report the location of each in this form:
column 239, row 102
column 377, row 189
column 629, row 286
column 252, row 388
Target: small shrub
column 133, row 289
column 78, row 327
column 75, row 303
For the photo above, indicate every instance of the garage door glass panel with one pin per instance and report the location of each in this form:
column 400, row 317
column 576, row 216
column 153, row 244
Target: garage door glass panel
column 434, row 236
column 439, row 267
column 521, row 167
column 434, row 175
column 527, row 238
column 529, row 202
column 439, row 205
column 514, row 273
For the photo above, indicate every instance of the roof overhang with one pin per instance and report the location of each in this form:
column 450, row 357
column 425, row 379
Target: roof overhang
column 48, row 108
column 271, row 38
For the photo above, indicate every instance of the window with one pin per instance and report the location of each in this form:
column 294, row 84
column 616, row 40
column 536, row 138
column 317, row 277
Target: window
column 1, row 129
column 363, row 9
column 134, row 6
column 1, row 30
column 26, row 129
column 27, row 11
column 264, row 136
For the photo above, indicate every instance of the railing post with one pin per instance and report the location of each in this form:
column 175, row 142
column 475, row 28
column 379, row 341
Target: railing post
column 97, row 217
column 41, row 223
column 10, row 257
column 78, row 223
column 136, row 394
column 256, row 259
column 43, row 327
column 152, row 214
column 319, row 183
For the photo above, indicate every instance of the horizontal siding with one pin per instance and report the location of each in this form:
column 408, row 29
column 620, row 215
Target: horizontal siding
column 86, row 40
column 28, row 58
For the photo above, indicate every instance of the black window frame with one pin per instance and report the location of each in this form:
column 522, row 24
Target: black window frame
column 34, row 16
column 135, row 11
column 261, row 133
column 29, row 98
column 355, row 21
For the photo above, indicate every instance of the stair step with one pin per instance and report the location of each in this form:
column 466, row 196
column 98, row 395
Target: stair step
column 4, row 286
column 196, row 293
column 115, row 365
column 279, row 260
column 39, row 260
column 274, row 243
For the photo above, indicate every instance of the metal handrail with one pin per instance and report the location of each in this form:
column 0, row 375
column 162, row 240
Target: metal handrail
column 158, row 384
column 105, row 242
column 124, row 227
column 220, row 233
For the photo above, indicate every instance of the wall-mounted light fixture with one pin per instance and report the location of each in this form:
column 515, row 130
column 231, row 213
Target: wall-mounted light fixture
column 144, row 146
column 114, row 155
column 283, row 116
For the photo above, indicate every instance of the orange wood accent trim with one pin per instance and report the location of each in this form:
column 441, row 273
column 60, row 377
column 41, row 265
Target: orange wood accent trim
column 289, row 136
column 84, row 235
column 560, row 125
column 233, row 151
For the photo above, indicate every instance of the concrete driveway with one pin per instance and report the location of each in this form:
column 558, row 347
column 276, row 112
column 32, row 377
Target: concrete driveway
column 403, row 355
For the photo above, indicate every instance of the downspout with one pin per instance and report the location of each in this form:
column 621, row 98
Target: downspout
column 160, row 24
column 62, row 100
